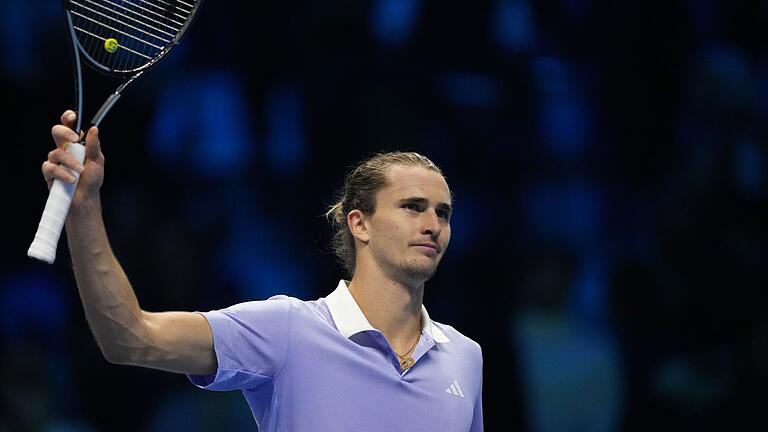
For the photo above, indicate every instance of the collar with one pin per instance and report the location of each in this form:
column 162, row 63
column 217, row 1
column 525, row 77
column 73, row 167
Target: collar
column 349, row 318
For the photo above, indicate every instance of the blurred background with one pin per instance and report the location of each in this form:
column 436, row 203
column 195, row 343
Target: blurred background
column 608, row 160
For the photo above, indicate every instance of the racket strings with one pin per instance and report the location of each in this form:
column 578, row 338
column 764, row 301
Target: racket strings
column 125, row 35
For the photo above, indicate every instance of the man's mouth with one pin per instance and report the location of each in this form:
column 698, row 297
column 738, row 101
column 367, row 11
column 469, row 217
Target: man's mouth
column 426, row 246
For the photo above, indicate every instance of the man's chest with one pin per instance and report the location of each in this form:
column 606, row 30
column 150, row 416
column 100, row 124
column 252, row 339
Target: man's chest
column 363, row 389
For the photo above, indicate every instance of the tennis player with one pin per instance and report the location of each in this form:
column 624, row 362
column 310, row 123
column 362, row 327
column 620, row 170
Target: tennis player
column 367, row 357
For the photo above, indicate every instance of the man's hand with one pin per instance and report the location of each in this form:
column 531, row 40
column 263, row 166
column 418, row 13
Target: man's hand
column 92, row 170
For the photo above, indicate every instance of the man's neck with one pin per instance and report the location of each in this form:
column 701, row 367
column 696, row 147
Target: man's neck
column 391, row 307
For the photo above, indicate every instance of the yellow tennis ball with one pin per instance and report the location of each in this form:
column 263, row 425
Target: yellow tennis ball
column 111, row 45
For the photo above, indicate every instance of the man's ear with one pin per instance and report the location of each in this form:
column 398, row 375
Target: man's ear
column 356, row 221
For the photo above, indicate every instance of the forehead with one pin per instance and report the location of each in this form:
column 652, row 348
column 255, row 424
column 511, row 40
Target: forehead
column 415, row 181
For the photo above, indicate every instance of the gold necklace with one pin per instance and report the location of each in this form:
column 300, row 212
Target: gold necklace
column 406, row 361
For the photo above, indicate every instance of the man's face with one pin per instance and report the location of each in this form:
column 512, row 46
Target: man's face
column 410, row 229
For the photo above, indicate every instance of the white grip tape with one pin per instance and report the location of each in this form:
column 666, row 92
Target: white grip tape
column 43, row 246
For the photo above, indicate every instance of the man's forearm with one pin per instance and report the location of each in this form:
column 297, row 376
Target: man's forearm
column 110, row 304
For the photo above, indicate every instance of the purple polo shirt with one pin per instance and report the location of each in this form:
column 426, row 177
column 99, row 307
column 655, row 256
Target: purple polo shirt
column 320, row 366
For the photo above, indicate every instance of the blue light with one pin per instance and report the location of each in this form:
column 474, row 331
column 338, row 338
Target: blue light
column 285, row 143
column 17, row 38
column 567, row 212
column 550, row 75
column 202, row 127
column 32, row 309
column 393, row 21
column 749, row 166
column 471, row 90
column 513, row 25
column 257, row 257
column 564, row 120
column 563, row 125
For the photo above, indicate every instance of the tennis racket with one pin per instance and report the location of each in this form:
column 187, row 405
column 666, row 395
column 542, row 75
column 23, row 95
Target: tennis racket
column 121, row 38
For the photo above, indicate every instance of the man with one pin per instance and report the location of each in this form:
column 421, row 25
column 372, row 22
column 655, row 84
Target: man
column 365, row 358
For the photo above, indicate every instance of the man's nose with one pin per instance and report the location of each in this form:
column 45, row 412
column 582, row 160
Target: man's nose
column 431, row 223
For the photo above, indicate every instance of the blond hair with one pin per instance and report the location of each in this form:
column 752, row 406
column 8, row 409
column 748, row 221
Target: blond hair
column 359, row 193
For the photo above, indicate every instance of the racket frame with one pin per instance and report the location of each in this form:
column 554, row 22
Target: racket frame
column 129, row 75
column 49, row 230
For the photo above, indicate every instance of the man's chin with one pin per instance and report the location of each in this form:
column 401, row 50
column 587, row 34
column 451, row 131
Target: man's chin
column 420, row 272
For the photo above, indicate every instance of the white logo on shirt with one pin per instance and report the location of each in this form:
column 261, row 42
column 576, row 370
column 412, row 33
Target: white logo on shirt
column 455, row 389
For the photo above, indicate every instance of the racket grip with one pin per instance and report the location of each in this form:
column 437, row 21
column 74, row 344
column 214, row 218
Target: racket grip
column 43, row 246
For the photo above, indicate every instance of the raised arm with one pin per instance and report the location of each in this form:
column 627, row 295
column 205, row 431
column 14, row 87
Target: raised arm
column 174, row 341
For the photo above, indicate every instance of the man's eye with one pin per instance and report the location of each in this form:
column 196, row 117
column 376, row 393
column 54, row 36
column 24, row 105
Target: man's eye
column 443, row 214
column 411, row 206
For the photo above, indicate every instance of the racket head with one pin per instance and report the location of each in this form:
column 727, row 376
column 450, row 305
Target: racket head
column 125, row 37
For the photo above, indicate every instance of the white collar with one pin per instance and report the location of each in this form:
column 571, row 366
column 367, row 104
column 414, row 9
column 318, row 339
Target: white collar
column 349, row 318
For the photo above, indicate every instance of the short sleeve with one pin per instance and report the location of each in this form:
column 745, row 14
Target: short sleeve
column 251, row 342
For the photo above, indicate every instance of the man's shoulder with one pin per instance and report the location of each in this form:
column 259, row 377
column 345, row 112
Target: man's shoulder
column 459, row 338
column 280, row 302
column 303, row 310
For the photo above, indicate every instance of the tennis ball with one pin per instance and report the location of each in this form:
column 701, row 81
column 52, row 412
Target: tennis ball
column 111, row 45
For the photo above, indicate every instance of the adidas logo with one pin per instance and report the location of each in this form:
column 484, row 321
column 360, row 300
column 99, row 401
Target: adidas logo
column 455, row 389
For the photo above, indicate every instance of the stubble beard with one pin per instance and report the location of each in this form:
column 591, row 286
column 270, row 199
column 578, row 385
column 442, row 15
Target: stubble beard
column 409, row 271
column 416, row 272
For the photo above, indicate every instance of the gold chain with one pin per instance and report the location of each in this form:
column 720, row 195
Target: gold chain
column 409, row 351
column 405, row 361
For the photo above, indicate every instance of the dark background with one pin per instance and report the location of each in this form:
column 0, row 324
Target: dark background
column 608, row 161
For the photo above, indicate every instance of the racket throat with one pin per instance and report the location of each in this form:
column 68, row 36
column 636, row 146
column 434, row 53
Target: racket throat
column 105, row 107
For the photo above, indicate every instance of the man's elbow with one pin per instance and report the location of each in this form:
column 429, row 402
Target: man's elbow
column 122, row 355
column 127, row 347
column 115, row 356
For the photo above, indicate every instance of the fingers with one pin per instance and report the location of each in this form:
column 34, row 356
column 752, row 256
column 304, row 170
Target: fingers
column 63, row 135
column 61, row 157
column 62, row 165
column 68, row 119
column 52, row 171
column 93, row 145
